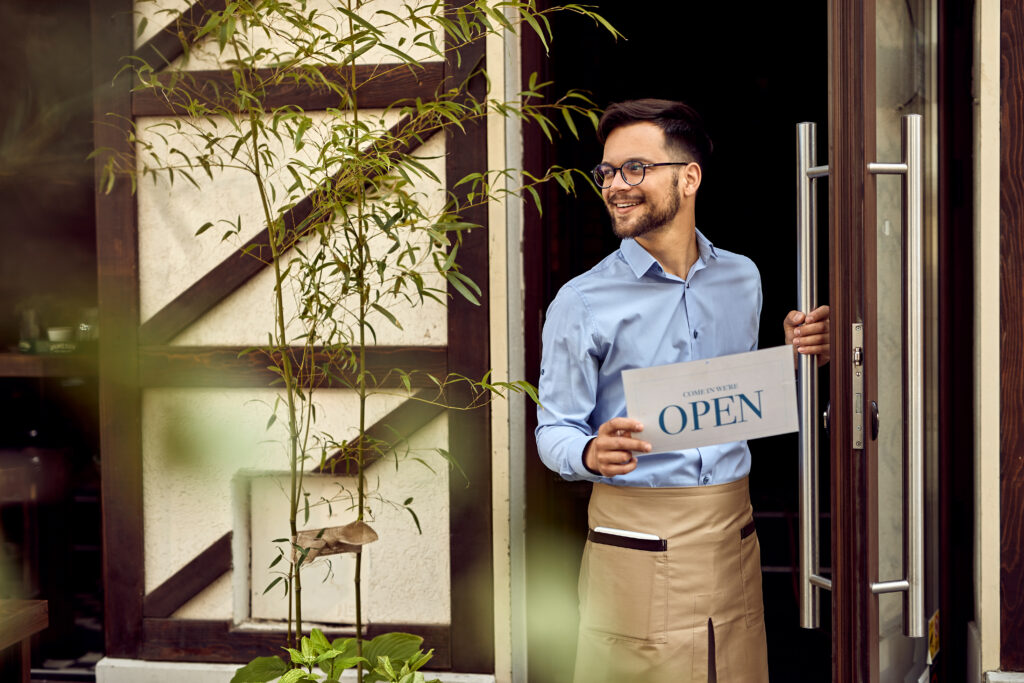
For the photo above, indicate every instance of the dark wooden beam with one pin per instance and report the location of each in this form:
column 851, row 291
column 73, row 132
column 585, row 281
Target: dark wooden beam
column 255, row 255
column 222, row 366
column 1011, row 328
column 470, row 519
column 378, row 86
column 200, row 640
column 118, row 298
column 387, row 433
column 187, row 582
column 169, row 43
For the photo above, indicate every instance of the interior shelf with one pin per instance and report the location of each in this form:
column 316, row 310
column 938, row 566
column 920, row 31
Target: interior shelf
column 47, row 365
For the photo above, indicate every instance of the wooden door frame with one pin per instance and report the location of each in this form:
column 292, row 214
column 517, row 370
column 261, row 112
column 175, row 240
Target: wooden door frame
column 1011, row 328
column 852, row 294
column 133, row 357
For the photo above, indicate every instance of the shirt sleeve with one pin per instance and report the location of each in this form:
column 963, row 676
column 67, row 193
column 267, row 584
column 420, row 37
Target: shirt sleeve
column 568, row 386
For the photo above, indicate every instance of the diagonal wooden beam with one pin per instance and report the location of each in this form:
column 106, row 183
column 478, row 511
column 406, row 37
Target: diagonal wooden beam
column 225, row 366
column 255, row 255
column 385, row 434
column 377, row 86
column 169, row 42
column 187, row 582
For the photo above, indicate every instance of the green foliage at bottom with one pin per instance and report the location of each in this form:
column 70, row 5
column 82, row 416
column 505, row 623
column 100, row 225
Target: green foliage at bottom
column 390, row 657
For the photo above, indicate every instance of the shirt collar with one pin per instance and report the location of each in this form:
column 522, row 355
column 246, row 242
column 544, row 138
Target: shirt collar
column 640, row 260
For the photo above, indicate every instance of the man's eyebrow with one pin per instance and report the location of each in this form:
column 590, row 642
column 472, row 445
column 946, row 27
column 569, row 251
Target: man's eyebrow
column 642, row 160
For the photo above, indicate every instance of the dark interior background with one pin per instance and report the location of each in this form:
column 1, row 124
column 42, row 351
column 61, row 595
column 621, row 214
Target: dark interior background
column 50, row 539
column 753, row 75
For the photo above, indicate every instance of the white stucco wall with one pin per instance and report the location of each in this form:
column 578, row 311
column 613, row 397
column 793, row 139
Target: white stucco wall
column 155, row 14
column 986, row 331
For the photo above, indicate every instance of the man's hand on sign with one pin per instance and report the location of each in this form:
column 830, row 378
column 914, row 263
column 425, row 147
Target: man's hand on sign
column 808, row 333
column 610, row 452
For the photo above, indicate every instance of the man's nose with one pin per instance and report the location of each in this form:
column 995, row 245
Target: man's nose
column 619, row 181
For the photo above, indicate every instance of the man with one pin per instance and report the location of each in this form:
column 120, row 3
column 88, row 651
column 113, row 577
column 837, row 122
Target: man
column 684, row 602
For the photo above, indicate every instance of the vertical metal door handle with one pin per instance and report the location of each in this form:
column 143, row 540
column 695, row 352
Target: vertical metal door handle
column 807, row 246
column 912, row 170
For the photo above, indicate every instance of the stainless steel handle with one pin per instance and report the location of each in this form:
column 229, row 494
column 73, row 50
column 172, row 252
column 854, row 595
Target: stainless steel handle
column 807, row 295
column 912, row 170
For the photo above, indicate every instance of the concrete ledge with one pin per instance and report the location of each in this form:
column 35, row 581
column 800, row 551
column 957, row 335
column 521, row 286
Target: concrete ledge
column 1004, row 677
column 110, row 670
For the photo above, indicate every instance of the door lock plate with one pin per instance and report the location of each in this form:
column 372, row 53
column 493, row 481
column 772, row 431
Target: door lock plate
column 857, row 368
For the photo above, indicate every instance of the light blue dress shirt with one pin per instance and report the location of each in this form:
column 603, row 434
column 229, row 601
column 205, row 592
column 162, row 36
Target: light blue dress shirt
column 627, row 312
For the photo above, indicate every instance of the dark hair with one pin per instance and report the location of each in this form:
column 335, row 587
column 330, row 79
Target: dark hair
column 681, row 124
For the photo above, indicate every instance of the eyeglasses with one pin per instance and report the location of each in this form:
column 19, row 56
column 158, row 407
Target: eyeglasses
column 633, row 172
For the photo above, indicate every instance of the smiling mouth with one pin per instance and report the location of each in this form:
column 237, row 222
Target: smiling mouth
column 625, row 203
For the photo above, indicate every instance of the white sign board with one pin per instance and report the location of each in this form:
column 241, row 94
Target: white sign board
column 715, row 400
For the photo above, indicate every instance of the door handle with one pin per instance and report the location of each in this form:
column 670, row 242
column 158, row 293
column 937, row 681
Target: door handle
column 807, row 377
column 912, row 170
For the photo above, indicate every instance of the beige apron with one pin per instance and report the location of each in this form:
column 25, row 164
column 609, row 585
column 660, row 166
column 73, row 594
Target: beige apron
column 645, row 605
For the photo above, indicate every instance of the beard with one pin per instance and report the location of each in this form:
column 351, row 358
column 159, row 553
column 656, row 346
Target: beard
column 649, row 218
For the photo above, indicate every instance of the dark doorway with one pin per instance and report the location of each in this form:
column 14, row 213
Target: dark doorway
column 753, row 74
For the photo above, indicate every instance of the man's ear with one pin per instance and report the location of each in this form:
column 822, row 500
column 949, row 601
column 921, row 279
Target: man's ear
column 689, row 179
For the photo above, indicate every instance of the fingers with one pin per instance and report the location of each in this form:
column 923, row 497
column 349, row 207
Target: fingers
column 620, row 424
column 813, row 331
column 610, row 452
column 790, row 323
column 809, row 334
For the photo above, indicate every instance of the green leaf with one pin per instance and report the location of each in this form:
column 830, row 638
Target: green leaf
column 319, row 641
column 460, row 282
column 307, row 647
column 536, row 29
column 387, row 314
column 396, row 646
column 345, row 645
column 415, row 519
column 295, row 675
column 203, row 228
column 260, row 670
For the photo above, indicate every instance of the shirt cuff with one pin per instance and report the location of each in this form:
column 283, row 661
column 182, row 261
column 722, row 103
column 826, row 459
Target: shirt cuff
column 579, row 466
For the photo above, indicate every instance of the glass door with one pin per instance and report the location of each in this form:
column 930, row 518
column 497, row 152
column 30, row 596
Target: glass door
column 905, row 333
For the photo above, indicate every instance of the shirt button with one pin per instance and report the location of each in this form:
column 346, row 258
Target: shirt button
column 695, row 334
column 706, row 479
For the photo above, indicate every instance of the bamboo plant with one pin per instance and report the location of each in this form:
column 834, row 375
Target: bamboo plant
column 353, row 240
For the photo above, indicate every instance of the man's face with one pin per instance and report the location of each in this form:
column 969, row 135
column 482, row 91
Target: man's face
column 637, row 210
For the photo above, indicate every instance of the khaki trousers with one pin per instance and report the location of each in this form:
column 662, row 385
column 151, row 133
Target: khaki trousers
column 645, row 607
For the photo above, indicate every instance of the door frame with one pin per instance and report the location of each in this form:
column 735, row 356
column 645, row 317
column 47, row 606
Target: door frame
column 852, row 295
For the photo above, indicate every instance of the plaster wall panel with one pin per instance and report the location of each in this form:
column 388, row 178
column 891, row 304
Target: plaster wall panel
column 195, row 441
column 172, row 257
column 404, row 572
column 153, row 15
column 208, row 603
